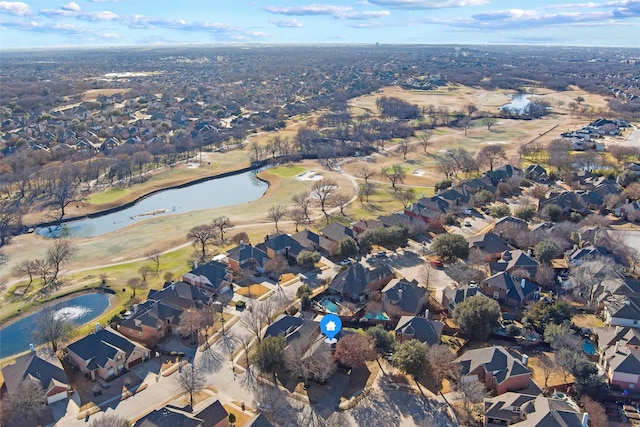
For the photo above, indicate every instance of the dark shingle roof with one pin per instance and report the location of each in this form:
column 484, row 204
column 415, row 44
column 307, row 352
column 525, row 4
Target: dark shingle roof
column 493, row 359
column 424, row 330
column 45, row 371
column 213, row 414
column 408, row 296
column 489, row 243
column 246, row 253
column 100, row 346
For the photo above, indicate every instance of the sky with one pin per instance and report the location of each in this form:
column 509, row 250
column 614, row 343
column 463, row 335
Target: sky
column 53, row 23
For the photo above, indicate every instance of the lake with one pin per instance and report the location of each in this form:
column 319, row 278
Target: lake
column 16, row 337
column 213, row 193
column 519, row 103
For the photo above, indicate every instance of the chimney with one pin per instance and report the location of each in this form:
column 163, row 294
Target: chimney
column 618, row 329
column 522, row 283
column 173, row 286
column 32, row 348
column 97, row 327
column 617, row 346
column 525, row 359
column 399, row 294
column 426, row 313
column 241, row 242
column 135, row 308
column 195, row 264
column 585, row 419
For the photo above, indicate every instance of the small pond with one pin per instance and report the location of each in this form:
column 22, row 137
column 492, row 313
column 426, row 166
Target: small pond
column 82, row 309
column 518, row 104
column 214, row 193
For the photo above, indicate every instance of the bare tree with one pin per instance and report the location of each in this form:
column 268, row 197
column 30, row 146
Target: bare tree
column 342, row 201
column 154, row 257
column 297, row 216
column 365, row 173
column 109, row 420
column 190, row 380
column 472, row 392
column 489, row 154
column 260, row 313
column 144, row 272
column 442, row 364
column 587, row 278
column 28, row 268
column 202, row 235
column 405, row 197
column 354, row 350
column 52, row 329
column 26, row 401
column 43, row 269
column 395, row 175
column 425, row 140
column 222, row 224
column 303, row 201
column 10, row 220
column 135, row 283
column 60, row 254
column 547, row 365
column 471, row 108
column 489, row 122
column 405, row 147
column 597, row 414
column 275, row 214
column 427, row 274
column 324, row 190
column 190, row 322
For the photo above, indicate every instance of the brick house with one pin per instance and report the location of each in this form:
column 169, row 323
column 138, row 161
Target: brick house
column 214, row 276
column 106, row 354
column 496, row 368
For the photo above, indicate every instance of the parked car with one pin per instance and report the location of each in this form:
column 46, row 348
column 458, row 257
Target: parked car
column 436, row 263
column 467, row 224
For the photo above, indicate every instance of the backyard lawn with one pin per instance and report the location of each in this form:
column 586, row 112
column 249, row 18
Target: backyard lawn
column 254, row 291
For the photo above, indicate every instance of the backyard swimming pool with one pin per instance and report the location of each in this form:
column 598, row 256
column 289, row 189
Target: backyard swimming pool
column 378, row 315
column 330, row 305
column 589, row 347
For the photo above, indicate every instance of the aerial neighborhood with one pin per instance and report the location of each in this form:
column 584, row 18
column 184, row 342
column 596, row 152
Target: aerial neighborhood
column 402, row 263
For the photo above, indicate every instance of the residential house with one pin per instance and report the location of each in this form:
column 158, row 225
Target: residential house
column 401, row 297
column 214, row 415
column 505, row 289
column 357, row 282
column 308, row 240
column 490, row 245
column 511, row 224
column 630, row 211
column 419, row 328
column 401, row 218
column 106, row 353
column 332, row 235
column 524, row 410
column 619, row 350
column 577, row 256
column 247, row 259
column 454, row 296
column 259, row 421
column 150, row 322
column 536, row 173
column 568, row 202
column 429, row 210
column 514, row 261
column 496, row 368
column 181, row 294
column 46, row 371
column 304, row 341
column 214, row 276
column 361, row 226
column 281, row 245
column 622, row 310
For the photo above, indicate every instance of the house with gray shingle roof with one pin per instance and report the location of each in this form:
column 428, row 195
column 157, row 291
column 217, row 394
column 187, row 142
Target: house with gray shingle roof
column 419, row 328
column 357, row 281
column 490, row 245
column 619, row 350
column 453, row 296
column 106, row 353
column 524, row 410
column 150, row 322
column 505, row 289
column 622, row 310
column 213, row 415
column 495, row 367
column 513, row 261
column 213, row 276
column 46, row 371
column 403, row 297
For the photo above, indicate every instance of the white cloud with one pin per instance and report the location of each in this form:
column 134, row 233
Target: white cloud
column 287, row 23
column 16, row 8
column 427, row 4
column 71, row 6
column 338, row 12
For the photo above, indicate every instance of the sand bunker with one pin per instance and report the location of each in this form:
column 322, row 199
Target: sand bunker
column 310, row 176
column 418, row 172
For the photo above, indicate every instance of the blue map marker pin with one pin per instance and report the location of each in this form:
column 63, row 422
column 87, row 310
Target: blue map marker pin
column 330, row 325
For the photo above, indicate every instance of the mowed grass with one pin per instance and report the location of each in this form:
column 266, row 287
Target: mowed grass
column 288, row 171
